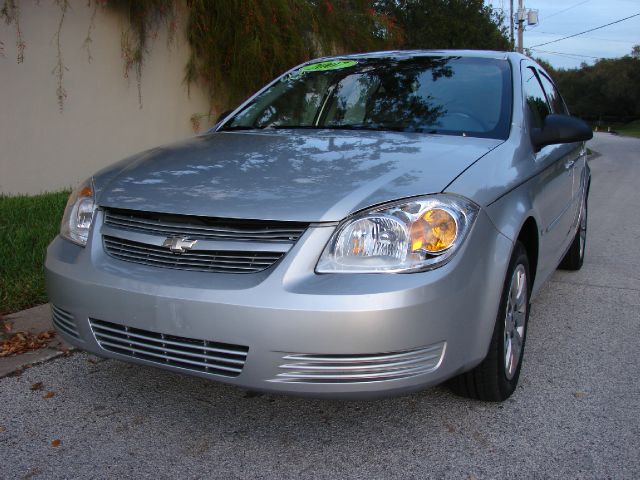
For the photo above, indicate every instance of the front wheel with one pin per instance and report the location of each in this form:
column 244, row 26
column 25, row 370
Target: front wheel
column 496, row 378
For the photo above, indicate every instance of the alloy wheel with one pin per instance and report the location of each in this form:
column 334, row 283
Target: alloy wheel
column 514, row 322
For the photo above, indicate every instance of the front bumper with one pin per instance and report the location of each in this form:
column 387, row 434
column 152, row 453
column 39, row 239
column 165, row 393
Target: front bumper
column 331, row 335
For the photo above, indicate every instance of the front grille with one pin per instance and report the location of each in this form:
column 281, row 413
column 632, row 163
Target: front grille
column 198, row 260
column 64, row 321
column 194, row 227
column 187, row 353
column 349, row 368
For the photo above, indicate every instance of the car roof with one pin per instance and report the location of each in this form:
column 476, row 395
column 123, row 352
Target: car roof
column 429, row 53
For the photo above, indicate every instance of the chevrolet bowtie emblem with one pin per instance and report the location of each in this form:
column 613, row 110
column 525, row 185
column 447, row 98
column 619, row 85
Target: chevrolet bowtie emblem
column 178, row 244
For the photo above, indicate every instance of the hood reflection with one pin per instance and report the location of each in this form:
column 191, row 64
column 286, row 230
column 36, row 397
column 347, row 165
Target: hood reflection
column 301, row 175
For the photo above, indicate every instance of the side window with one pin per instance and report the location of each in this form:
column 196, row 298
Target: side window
column 557, row 104
column 534, row 96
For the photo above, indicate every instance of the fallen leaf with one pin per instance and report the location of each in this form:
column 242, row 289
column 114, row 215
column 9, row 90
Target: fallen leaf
column 7, row 326
column 2, row 429
column 49, row 395
column 36, row 386
column 580, row 394
column 21, row 342
column 56, row 443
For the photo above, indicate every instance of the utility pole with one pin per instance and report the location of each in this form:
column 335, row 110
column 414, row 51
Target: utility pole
column 511, row 23
column 531, row 16
column 520, row 26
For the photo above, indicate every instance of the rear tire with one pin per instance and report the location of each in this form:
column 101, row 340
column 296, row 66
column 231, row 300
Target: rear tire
column 496, row 378
column 574, row 258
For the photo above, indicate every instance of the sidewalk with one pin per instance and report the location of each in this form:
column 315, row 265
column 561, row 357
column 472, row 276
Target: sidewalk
column 34, row 320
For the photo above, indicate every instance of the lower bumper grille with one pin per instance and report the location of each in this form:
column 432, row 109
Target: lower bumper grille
column 187, row 353
column 64, row 321
column 306, row 368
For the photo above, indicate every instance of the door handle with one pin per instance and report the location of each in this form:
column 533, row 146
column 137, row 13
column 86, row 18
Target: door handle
column 569, row 164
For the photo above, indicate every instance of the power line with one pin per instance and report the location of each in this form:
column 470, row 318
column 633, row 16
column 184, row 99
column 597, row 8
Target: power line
column 558, row 13
column 563, row 53
column 586, row 31
column 590, row 36
column 568, row 8
column 612, row 40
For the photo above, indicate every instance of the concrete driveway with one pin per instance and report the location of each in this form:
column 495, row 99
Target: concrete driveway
column 576, row 413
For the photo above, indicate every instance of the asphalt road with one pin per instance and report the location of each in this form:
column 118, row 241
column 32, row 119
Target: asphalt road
column 576, row 413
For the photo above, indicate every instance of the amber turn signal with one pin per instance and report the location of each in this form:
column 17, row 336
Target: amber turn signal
column 434, row 231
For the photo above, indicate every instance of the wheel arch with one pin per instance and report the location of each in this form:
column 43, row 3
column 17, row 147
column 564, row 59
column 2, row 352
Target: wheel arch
column 528, row 236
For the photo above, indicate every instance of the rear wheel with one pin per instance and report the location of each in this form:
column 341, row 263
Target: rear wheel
column 574, row 257
column 496, row 378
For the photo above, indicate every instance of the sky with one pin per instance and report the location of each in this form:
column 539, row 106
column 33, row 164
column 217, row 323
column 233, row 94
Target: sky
column 560, row 18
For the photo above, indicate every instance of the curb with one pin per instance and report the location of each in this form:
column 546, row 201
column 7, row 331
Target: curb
column 33, row 320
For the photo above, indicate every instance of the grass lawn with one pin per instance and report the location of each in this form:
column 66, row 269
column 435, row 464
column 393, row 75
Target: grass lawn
column 27, row 226
column 631, row 129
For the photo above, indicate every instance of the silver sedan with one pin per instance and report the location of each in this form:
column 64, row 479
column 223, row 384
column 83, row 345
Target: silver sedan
column 364, row 225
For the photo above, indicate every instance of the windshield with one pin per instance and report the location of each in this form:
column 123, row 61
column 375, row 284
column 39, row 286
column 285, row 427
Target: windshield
column 447, row 95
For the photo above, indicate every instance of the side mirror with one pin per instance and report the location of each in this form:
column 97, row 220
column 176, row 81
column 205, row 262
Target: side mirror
column 223, row 115
column 561, row 129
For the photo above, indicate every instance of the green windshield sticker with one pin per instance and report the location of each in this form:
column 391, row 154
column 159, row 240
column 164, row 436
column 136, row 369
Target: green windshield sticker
column 331, row 65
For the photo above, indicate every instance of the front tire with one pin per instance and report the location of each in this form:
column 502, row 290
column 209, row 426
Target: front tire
column 496, row 378
column 574, row 258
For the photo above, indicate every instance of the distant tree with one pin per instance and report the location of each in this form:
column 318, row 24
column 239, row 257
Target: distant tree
column 467, row 24
column 546, row 65
column 608, row 89
column 635, row 51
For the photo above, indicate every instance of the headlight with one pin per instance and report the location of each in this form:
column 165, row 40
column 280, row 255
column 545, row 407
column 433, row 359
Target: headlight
column 78, row 214
column 407, row 236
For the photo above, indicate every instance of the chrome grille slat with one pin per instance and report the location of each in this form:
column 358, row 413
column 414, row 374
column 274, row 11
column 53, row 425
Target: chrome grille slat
column 130, row 221
column 168, row 358
column 136, row 334
column 203, row 260
column 359, row 358
column 350, row 368
column 170, row 350
column 193, row 257
column 205, row 228
column 64, row 321
column 183, row 261
column 275, row 234
column 353, row 377
column 186, row 265
column 163, row 349
column 367, row 367
column 65, row 329
column 144, row 247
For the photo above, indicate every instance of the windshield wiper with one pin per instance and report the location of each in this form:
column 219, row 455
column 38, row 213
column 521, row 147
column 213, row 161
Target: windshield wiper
column 339, row 127
column 376, row 128
column 239, row 127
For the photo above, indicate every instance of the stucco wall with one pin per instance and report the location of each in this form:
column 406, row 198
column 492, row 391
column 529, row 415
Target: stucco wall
column 42, row 149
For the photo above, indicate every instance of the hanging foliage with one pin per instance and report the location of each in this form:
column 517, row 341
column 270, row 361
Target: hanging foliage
column 10, row 13
column 238, row 45
column 144, row 17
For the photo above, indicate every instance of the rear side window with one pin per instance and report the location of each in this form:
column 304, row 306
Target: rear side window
column 535, row 97
column 555, row 100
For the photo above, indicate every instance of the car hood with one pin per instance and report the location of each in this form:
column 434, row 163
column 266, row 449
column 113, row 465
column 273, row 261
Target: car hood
column 298, row 175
